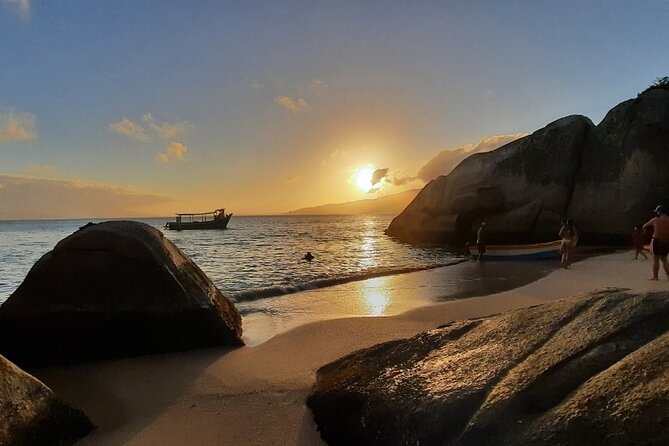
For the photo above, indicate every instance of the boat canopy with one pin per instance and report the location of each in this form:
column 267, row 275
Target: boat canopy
column 201, row 216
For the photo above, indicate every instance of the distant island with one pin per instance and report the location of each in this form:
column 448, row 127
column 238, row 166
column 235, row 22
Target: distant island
column 388, row 204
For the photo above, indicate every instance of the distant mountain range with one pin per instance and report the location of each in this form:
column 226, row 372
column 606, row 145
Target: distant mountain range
column 388, row 204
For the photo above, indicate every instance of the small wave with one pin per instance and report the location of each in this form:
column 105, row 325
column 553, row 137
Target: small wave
column 279, row 290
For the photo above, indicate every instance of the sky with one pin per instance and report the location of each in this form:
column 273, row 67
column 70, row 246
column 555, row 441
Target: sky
column 147, row 108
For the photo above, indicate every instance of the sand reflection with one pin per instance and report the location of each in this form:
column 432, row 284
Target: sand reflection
column 374, row 296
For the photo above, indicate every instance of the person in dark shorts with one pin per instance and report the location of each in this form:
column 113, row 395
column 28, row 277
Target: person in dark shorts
column 660, row 244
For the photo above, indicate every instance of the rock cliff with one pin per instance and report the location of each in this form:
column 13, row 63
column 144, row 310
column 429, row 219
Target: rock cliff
column 588, row 370
column 113, row 289
column 608, row 178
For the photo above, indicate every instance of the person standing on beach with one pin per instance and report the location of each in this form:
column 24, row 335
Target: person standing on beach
column 660, row 244
column 637, row 242
column 480, row 241
column 569, row 239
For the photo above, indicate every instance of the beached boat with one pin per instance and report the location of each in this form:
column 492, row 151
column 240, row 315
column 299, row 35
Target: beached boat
column 549, row 250
column 217, row 219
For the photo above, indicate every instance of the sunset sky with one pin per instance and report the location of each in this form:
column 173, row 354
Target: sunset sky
column 136, row 108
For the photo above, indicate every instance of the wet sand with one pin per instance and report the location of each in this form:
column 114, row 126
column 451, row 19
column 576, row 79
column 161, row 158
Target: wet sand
column 387, row 296
column 256, row 395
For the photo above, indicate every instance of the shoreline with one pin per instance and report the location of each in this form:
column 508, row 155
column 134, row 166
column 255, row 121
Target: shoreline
column 386, row 295
column 256, row 395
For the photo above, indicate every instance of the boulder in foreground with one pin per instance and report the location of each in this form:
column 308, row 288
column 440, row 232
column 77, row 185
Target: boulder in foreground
column 113, row 289
column 589, row 370
column 30, row 414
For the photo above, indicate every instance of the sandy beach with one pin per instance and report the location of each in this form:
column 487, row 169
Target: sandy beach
column 256, row 395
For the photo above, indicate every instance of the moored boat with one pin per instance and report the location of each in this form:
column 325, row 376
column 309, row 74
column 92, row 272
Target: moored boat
column 217, row 219
column 535, row 251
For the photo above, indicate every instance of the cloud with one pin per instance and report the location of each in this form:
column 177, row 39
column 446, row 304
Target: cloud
column 175, row 152
column 314, row 88
column 126, row 127
column 26, row 197
column 18, row 127
column 165, row 130
column 395, row 178
column 378, row 175
column 23, row 6
column 148, row 129
column 402, row 179
column 317, row 84
column 333, row 156
column 256, row 85
column 446, row 160
column 293, row 105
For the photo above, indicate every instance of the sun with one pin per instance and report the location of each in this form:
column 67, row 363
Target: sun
column 363, row 179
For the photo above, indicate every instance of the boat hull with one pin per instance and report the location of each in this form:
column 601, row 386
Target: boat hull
column 537, row 251
column 212, row 224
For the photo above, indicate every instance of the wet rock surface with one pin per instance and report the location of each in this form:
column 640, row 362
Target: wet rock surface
column 113, row 289
column 608, row 178
column 30, row 414
column 588, row 370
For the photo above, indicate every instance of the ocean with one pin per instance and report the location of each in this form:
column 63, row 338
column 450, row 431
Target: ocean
column 257, row 261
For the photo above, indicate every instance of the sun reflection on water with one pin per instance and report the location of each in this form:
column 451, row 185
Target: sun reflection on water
column 368, row 249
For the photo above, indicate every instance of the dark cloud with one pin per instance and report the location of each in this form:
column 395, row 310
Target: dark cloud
column 378, row 175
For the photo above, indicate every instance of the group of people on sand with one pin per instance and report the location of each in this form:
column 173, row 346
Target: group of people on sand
column 569, row 238
column 659, row 245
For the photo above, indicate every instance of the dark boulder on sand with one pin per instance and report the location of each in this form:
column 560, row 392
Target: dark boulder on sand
column 114, row 289
column 588, row 370
column 30, row 414
column 608, row 178
column 623, row 173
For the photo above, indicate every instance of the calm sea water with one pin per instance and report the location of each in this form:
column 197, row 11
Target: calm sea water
column 255, row 258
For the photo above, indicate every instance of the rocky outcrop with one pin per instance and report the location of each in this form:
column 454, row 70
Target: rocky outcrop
column 589, row 370
column 30, row 414
column 623, row 173
column 607, row 178
column 113, row 289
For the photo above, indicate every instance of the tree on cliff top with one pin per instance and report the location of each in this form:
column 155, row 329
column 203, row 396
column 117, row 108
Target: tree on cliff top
column 660, row 82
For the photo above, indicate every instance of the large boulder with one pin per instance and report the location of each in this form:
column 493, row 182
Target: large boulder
column 30, row 414
column 589, row 370
column 607, row 178
column 520, row 189
column 623, row 173
column 113, row 289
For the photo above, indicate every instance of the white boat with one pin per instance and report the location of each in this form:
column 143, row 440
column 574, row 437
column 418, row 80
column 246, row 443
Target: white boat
column 535, row 251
